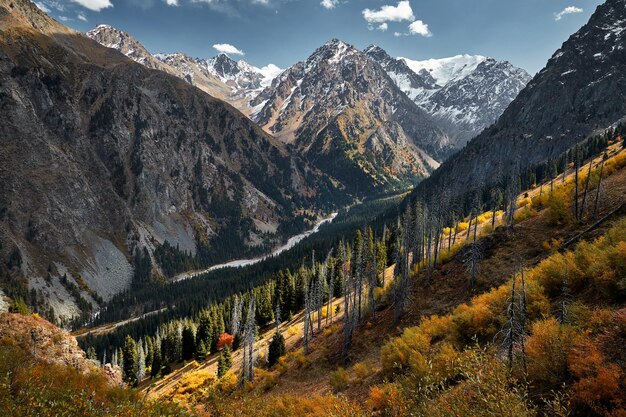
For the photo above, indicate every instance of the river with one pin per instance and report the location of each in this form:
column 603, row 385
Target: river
column 293, row 241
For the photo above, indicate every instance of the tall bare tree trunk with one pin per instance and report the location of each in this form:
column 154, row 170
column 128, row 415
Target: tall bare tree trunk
column 595, row 206
column 576, row 183
column 582, row 206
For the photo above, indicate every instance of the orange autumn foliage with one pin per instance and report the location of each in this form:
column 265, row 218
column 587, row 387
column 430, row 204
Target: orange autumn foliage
column 598, row 383
column 224, row 340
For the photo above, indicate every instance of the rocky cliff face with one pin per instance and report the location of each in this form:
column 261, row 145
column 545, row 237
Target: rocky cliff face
column 342, row 111
column 102, row 156
column 582, row 88
column 464, row 94
column 46, row 342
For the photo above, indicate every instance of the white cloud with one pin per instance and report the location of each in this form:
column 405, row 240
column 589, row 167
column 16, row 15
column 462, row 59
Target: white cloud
column 383, row 27
column 420, row 28
column 329, row 4
column 171, row 2
column 388, row 13
column 54, row 4
column 64, row 19
column 568, row 10
column 228, row 49
column 95, row 5
column 42, row 7
column 397, row 34
column 81, row 16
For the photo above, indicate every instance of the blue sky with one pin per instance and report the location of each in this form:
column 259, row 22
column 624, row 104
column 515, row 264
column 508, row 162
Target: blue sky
column 282, row 32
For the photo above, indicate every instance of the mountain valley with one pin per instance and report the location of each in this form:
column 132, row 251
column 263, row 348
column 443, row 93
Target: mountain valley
column 356, row 234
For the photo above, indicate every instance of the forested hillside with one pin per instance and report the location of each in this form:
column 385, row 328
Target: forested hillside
column 500, row 283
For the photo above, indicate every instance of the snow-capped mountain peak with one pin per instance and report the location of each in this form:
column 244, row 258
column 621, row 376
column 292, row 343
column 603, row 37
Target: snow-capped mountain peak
column 334, row 51
column 465, row 93
column 445, row 70
column 111, row 37
column 245, row 79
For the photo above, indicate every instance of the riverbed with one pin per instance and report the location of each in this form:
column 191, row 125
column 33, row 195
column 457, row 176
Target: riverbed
column 293, row 241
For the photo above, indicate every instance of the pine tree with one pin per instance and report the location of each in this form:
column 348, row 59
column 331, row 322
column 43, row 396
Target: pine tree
column 381, row 263
column 276, row 349
column 204, row 332
column 225, row 362
column 130, row 361
column 188, row 342
column 149, row 349
column 157, row 362
column 338, row 282
column 349, row 316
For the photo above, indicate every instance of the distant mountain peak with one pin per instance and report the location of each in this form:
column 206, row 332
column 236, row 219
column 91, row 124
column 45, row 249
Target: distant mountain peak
column 342, row 110
column 121, row 41
column 376, row 52
column 445, row 70
column 220, row 76
column 465, row 93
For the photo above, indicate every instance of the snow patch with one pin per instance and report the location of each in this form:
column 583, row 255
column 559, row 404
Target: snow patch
column 445, row 70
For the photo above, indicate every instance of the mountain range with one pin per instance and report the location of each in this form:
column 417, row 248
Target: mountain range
column 364, row 141
column 108, row 149
column 581, row 89
column 102, row 157
column 465, row 94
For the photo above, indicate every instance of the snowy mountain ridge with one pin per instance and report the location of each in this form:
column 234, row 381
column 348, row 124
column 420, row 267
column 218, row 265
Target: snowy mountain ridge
column 464, row 93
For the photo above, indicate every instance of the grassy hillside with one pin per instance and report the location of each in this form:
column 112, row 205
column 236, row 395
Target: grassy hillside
column 549, row 347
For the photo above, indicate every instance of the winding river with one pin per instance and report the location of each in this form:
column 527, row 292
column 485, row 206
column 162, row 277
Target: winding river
column 293, row 241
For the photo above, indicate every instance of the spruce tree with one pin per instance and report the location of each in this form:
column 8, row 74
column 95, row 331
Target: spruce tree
column 130, row 361
column 276, row 349
column 225, row 362
column 156, row 362
column 188, row 342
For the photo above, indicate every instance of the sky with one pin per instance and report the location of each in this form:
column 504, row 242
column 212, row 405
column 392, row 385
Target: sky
column 283, row 32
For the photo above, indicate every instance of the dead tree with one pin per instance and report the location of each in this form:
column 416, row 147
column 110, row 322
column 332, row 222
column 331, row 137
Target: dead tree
column 235, row 316
column 472, row 261
column 478, row 209
column 595, row 205
column 522, row 316
column 565, row 300
column 249, row 338
column 372, row 274
column 331, row 288
column 349, row 310
column 511, row 329
column 582, row 205
column 576, row 169
column 401, row 285
column 512, row 191
column 309, row 301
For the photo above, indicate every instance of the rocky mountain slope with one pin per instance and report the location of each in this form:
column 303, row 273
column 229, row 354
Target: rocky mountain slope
column 220, row 76
column 582, row 88
column 342, row 111
column 465, row 93
column 177, row 64
column 46, row 342
column 101, row 156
